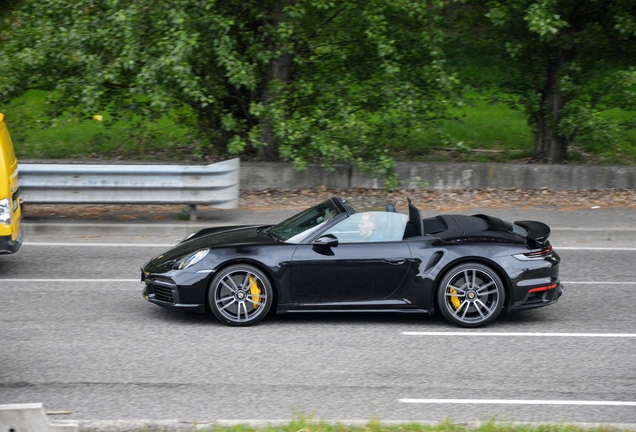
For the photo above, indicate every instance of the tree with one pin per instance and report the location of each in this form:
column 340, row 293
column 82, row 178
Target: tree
column 565, row 62
column 303, row 80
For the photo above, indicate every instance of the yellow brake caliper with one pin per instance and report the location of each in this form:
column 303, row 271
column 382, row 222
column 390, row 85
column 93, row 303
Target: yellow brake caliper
column 454, row 298
column 255, row 291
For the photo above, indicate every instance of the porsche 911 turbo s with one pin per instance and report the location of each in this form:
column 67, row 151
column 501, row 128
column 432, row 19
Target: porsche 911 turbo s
column 330, row 258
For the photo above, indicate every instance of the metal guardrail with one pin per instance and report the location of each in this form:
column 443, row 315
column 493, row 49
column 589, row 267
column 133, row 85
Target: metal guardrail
column 216, row 185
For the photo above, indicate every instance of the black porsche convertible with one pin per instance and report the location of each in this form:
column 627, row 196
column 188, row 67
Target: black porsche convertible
column 330, row 258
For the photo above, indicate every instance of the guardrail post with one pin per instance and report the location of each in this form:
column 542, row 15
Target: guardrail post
column 193, row 212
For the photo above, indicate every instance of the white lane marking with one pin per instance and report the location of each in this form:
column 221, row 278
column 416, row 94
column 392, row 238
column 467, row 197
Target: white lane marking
column 517, row 402
column 558, row 248
column 520, row 334
column 102, row 244
column 137, row 280
column 69, row 280
column 597, row 283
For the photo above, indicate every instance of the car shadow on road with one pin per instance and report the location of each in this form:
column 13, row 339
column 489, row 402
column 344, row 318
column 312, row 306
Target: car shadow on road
column 184, row 318
column 420, row 322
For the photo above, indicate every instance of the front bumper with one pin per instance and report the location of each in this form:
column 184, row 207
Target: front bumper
column 167, row 293
column 9, row 246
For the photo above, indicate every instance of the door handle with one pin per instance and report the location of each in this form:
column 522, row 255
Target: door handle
column 395, row 261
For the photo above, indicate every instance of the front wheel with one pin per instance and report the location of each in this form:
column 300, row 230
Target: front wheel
column 471, row 295
column 240, row 295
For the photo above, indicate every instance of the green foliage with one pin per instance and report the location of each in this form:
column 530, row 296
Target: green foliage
column 306, row 78
column 314, row 80
column 563, row 62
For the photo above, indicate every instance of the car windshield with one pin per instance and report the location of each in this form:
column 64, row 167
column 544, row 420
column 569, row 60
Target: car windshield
column 298, row 227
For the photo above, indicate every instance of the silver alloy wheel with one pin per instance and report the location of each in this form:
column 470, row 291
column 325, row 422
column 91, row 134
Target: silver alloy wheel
column 240, row 295
column 471, row 295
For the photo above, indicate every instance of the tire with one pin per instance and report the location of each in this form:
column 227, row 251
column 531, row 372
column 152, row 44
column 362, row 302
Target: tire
column 471, row 295
column 240, row 295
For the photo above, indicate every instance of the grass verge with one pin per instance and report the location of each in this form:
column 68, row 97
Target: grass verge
column 307, row 425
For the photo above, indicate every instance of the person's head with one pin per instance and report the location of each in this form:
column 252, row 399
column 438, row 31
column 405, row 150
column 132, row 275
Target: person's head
column 368, row 224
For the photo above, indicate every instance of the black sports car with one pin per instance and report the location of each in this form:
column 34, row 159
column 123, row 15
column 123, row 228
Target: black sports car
column 329, row 258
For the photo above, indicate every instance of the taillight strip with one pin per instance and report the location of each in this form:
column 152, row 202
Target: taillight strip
column 539, row 253
column 543, row 288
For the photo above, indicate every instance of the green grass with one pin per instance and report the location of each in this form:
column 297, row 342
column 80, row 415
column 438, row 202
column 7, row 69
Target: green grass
column 307, row 425
column 480, row 132
column 625, row 150
column 34, row 136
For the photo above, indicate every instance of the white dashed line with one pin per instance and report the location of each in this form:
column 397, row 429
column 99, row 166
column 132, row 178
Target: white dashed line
column 597, row 283
column 517, row 402
column 520, row 334
column 101, row 244
column 583, row 248
column 69, row 280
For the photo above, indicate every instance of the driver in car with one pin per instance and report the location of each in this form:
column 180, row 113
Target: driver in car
column 369, row 230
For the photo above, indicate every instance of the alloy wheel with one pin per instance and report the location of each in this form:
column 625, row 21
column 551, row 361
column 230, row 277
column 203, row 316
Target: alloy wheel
column 471, row 295
column 240, row 295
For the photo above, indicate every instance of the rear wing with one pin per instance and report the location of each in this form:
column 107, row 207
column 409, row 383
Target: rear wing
column 537, row 231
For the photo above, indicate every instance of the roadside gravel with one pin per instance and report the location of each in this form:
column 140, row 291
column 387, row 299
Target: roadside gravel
column 436, row 199
column 360, row 198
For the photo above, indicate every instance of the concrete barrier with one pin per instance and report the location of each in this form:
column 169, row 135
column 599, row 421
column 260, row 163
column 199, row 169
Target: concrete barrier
column 32, row 418
column 438, row 175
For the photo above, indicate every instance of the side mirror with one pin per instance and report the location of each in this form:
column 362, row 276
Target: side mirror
column 328, row 240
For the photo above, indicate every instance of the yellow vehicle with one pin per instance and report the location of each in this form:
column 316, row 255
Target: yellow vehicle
column 10, row 209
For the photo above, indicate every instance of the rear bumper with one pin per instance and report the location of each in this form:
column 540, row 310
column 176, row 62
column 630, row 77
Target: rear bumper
column 9, row 246
column 533, row 300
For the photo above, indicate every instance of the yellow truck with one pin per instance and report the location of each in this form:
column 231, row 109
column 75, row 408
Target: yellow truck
column 10, row 207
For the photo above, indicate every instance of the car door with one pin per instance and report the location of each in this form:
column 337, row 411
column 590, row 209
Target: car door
column 352, row 271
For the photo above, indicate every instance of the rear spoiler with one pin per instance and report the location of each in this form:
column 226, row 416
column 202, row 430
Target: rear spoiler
column 537, row 231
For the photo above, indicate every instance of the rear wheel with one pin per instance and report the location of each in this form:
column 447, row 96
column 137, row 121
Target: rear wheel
column 240, row 295
column 471, row 295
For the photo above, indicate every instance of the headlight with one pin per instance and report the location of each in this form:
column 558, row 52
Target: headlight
column 192, row 259
column 5, row 211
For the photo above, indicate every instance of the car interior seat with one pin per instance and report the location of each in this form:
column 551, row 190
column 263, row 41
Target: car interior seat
column 391, row 208
column 415, row 225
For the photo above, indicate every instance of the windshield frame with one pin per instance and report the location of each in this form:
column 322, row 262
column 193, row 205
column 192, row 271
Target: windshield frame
column 315, row 219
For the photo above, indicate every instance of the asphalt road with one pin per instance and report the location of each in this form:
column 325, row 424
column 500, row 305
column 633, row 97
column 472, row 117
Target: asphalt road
column 76, row 335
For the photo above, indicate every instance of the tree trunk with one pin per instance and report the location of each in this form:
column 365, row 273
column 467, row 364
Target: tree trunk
column 549, row 145
column 277, row 70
